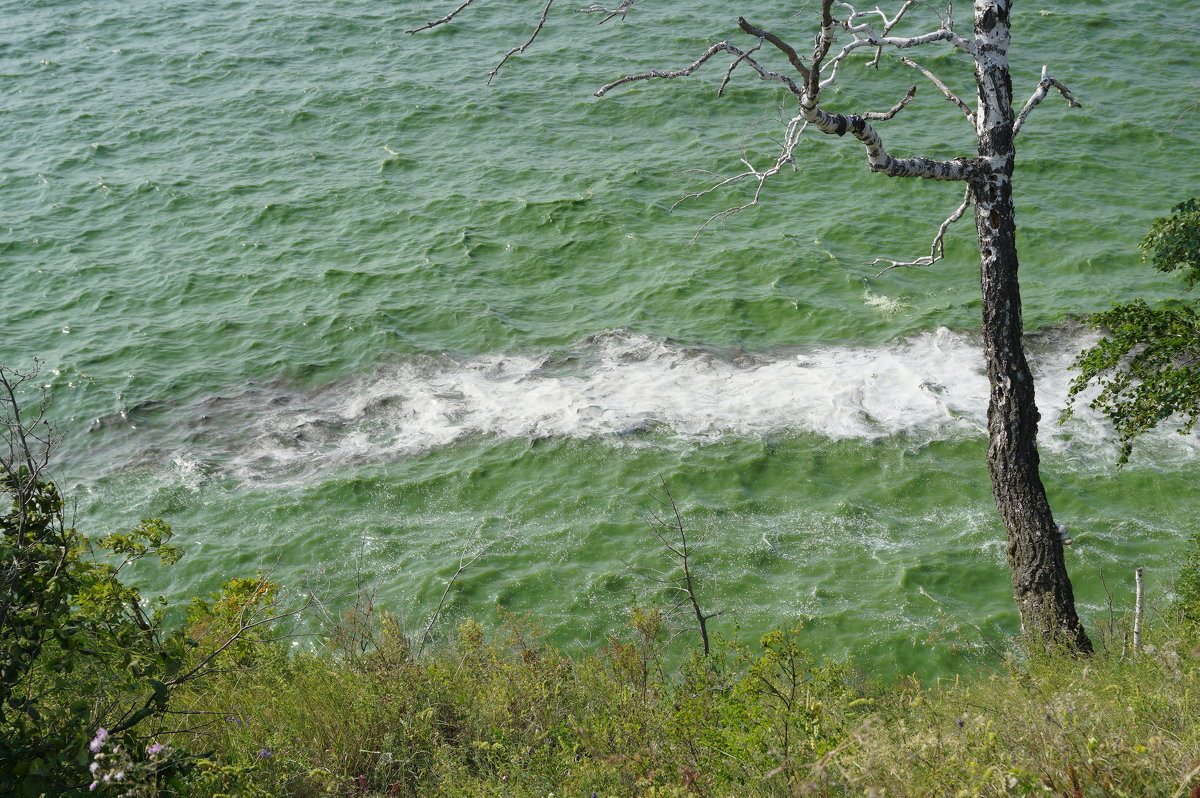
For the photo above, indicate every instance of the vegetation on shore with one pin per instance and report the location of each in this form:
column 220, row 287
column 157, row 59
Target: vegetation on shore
column 357, row 711
column 501, row 714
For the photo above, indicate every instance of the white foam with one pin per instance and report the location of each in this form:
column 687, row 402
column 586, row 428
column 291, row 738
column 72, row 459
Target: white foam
column 931, row 386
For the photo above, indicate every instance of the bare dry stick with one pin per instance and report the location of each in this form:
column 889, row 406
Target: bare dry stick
column 521, row 47
column 937, row 250
column 1139, row 597
column 441, row 21
column 463, row 564
column 609, row 13
column 887, row 27
column 682, row 552
column 951, row 96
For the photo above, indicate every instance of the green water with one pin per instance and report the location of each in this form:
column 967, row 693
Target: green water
column 307, row 288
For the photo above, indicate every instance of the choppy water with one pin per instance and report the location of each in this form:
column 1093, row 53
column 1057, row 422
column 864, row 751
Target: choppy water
column 307, row 288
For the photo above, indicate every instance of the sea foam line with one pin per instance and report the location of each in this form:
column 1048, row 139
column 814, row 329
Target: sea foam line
column 930, row 386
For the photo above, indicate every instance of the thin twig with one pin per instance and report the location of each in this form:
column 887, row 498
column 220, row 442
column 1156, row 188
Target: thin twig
column 463, row 564
column 441, row 21
column 521, row 48
column 620, row 11
column 937, row 250
column 951, row 96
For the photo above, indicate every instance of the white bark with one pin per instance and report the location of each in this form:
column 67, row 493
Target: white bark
column 1139, row 597
column 1039, row 94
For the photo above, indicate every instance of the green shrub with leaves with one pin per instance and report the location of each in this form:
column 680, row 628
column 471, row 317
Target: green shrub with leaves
column 85, row 663
column 1147, row 363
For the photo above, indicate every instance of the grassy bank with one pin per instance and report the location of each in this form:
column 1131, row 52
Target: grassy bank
column 497, row 713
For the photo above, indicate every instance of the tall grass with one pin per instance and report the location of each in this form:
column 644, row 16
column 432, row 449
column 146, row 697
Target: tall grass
column 500, row 713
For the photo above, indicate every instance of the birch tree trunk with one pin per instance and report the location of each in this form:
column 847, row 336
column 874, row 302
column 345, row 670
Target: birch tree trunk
column 1041, row 587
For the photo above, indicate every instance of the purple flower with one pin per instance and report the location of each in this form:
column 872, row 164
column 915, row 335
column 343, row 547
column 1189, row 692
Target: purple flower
column 154, row 749
column 98, row 741
column 263, row 754
column 93, row 786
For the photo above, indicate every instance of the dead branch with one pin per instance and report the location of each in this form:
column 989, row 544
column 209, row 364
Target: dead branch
column 609, row 13
column 672, row 534
column 521, row 48
column 887, row 28
column 1039, row 94
column 937, row 250
column 463, row 564
column 441, row 21
column 951, row 96
column 719, row 47
column 783, row 46
column 876, row 116
column 794, row 131
column 734, row 65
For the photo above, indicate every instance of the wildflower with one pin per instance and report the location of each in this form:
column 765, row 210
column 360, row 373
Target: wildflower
column 94, row 767
column 154, row 749
column 961, row 723
column 93, row 786
column 264, row 753
column 98, row 741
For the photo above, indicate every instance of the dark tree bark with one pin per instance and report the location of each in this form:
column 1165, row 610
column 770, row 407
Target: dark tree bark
column 1041, row 587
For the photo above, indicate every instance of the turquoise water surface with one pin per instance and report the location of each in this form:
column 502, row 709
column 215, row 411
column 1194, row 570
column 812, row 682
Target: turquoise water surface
column 312, row 291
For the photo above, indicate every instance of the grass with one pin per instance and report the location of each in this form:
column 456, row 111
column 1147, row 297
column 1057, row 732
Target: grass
column 501, row 714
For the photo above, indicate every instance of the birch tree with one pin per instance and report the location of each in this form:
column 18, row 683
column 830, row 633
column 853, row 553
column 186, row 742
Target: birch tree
column 845, row 33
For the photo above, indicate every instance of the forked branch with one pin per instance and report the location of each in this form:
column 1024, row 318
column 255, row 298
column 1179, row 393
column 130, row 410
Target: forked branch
column 673, row 536
column 937, row 250
column 464, row 563
column 1039, row 94
column 743, row 56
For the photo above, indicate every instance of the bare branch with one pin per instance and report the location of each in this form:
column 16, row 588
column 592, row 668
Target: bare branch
column 620, row 10
column 887, row 27
column 719, row 47
column 734, row 65
column 521, row 48
column 786, row 157
column 951, row 96
column 875, row 116
column 937, row 250
column 441, row 21
column 1043, row 88
column 783, row 46
column 878, row 158
column 463, row 565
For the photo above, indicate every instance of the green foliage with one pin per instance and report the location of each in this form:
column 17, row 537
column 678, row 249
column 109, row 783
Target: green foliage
column 236, row 620
column 78, row 652
column 1147, row 364
column 496, row 712
column 1174, row 241
column 1187, row 585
